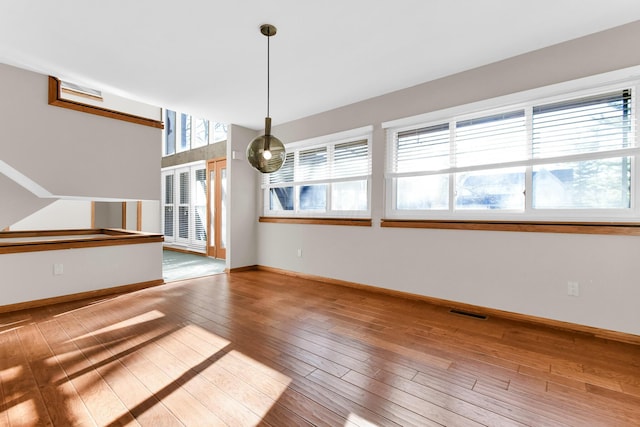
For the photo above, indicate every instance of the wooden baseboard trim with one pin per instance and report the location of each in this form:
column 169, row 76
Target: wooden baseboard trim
column 247, row 268
column 524, row 318
column 80, row 296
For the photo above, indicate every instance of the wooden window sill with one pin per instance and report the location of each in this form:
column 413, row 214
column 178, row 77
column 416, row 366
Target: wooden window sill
column 610, row 228
column 360, row 222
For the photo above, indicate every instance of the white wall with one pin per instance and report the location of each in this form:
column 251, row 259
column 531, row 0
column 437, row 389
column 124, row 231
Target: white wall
column 518, row 272
column 243, row 186
column 60, row 215
column 108, row 214
column 29, row 276
column 70, row 153
column 151, row 216
column 74, row 155
column 17, row 202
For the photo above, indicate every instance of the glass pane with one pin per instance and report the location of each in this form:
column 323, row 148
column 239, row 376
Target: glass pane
column 200, row 132
column 492, row 189
column 281, row 199
column 200, row 202
column 425, row 149
column 183, row 222
column 185, row 133
column 219, row 132
column 493, row 139
column 349, row 196
column 200, row 225
column 285, row 173
column 170, row 133
column 168, row 221
column 223, row 213
column 313, row 197
column 422, row 192
column 586, row 125
column 184, row 188
column 212, row 207
column 590, row 184
column 168, row 189
column 351, row 159
column 313, row 164
column 200, row 196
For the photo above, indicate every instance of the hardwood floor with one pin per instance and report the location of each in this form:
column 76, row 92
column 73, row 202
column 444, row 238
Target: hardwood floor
column 258, row 348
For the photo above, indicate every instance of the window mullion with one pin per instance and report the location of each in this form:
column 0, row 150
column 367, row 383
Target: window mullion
column 452, row 164
column 528, row 176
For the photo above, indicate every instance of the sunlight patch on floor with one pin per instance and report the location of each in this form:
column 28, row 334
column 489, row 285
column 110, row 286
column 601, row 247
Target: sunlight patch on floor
column 10, row 374
column 356, row 420
column 142, row 318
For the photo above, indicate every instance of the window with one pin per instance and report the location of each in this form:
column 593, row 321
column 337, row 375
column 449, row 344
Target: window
column 323, row 177
column 184, row 132
column 184, row 201
column 167, row 209
column 560, row 158
column 169, row 133
column 200, row 132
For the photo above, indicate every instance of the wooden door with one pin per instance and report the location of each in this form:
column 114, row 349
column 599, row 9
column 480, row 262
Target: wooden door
column 217, row 208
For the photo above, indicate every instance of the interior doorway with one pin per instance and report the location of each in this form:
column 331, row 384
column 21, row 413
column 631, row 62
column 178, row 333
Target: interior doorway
column 217, row 208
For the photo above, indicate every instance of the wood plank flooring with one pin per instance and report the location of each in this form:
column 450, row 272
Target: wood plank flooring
column 259, row 348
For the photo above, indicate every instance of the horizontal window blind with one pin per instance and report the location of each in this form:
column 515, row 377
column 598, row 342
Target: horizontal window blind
column 491, row 139
column 313, row 164
column 332, row 163
column 284, row 174
column 594, row 124
column 351, row 159
column 422, row 149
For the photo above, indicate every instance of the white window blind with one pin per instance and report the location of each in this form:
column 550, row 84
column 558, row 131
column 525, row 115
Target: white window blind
column 499, row 138
column 183, row 207
column 313, row 164
column 168, row 209
column 423, row 149
column 594, row 124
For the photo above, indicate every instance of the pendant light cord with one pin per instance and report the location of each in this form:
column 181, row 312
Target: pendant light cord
column 268, row 55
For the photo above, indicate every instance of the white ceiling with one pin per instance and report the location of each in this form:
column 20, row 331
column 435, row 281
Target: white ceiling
column 207, row 57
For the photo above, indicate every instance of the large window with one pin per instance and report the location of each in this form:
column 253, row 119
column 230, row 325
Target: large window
column 184, row 201
column 183, row 132
column 323, row 177
column 559, row 158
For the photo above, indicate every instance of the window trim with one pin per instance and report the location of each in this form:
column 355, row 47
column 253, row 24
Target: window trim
column 622, row 79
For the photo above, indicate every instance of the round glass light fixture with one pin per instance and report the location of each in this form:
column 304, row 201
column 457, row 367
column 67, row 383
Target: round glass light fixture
column 266, row 153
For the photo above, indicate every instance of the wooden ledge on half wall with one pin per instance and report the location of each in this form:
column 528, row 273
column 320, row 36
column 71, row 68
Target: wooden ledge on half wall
column 51, row 240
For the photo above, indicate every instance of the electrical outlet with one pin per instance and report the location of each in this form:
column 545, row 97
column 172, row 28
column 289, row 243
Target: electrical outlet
column 573, row 289
column 299, row 252
column 58, row 269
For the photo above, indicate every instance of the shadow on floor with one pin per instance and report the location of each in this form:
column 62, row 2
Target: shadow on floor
column 179, row 266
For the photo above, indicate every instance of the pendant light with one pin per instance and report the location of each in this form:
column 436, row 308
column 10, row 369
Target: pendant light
column 266, row 153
